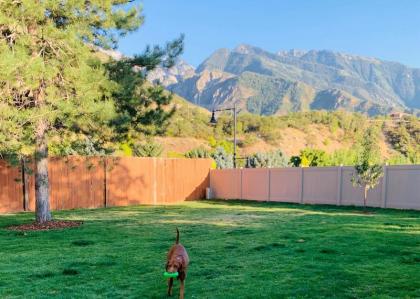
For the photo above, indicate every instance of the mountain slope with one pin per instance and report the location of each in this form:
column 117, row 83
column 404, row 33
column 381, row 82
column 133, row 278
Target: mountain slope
column 338, row 133
column 272, row 83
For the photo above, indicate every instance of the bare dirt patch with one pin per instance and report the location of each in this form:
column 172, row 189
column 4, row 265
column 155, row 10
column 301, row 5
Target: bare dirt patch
column 55, row 224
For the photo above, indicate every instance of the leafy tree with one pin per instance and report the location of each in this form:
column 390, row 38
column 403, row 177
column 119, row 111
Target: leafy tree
column 148, row 149
column 305, row 162
column 343, row 157
column 398, row 159
column 310, row 157
column 222, row 158
column 405, row 138
column 50, row 81
column 295, row 161
column 188, row 121
column 315, row 157
column 400, row 139
column 270, row 159
column 367, row 172
column 226, row 145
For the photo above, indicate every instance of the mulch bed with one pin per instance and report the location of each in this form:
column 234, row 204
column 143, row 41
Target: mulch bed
column 54, row 224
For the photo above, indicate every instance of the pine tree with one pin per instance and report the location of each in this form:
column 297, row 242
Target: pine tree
column 142, row 107
column 49, row 80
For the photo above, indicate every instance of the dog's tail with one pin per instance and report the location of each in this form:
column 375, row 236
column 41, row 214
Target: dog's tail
column 177, row 236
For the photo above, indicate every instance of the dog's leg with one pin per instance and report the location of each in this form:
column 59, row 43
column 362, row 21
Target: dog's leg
column 170, row 284
column 181, row 289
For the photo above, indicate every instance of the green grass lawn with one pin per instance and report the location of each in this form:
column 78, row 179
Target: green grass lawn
column 237, row 250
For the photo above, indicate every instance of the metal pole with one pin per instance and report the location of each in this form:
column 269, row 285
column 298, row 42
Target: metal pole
column 234, row 135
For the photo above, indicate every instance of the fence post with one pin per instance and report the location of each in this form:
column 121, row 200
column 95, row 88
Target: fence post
column 269, row 184
column 105, row 183
column 301, row 185
column 25, row 186
column 384, row 189
column 241, row 191
column 339, row 184
column 154, row 182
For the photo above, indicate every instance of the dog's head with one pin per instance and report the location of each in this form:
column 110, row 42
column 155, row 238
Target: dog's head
column 174, row 264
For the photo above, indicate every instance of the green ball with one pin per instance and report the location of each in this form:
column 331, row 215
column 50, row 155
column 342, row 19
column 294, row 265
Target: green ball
column 170, row 274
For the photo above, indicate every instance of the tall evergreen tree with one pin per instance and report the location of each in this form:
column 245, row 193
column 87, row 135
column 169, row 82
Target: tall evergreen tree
column 49, row 80
column 142, row 108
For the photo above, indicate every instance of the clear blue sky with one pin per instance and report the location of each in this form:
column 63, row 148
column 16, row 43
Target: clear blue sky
column 387, row 29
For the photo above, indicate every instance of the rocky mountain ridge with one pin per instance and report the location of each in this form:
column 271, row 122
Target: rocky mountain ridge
column 268, row 83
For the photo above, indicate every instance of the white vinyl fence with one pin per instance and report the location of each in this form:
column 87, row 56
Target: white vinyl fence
column 399, row 187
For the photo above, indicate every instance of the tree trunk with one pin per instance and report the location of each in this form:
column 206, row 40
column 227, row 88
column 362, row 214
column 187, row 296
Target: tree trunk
column 42, row 200
column 42, row 209
column 365, row 197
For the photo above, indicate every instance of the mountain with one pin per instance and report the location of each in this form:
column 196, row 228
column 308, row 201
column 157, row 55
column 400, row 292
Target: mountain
column 180, row 71
column 268, row 83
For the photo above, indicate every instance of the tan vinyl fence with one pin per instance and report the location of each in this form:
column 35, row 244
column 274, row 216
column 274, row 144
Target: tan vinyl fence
column 93, row 182
column 398, row 188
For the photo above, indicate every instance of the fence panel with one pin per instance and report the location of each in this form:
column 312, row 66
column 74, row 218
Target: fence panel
column 11, row 188
column 198, row 179
column 181, row 179
column 92, row 182
column 285, row 184
column 226, row 183
column 255, row 184
column 75, row 182
column 320, row 185
column 399, row 188
column 130, row 181
column 403, row 187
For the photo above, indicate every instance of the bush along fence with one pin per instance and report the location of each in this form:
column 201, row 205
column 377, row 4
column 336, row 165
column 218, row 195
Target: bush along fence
column 93, row 182
column 398, row 188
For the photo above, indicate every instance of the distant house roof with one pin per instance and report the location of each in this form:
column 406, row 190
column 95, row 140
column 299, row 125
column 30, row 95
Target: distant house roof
column 397, row 114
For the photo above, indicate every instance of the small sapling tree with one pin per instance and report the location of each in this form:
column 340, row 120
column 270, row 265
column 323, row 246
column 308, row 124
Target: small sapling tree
column 367, row 170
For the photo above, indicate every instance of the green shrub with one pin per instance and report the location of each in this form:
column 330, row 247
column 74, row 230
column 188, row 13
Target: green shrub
column 222, row 158
column 198, row 153
column 310, row 157
column 269, row 159
column 173, row 154
column 343, row 157
column 148, row 149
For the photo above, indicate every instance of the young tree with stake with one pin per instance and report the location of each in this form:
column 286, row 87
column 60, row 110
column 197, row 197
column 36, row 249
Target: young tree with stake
column 367, row 170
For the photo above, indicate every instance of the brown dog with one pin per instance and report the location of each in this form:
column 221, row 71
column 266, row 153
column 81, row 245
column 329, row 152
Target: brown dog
column 177, row 261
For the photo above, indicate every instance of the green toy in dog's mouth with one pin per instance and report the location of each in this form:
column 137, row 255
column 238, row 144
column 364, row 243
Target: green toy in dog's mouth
column 170, row 274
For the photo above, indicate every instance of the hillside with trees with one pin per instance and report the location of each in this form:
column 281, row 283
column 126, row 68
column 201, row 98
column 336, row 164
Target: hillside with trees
column 336, row 136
